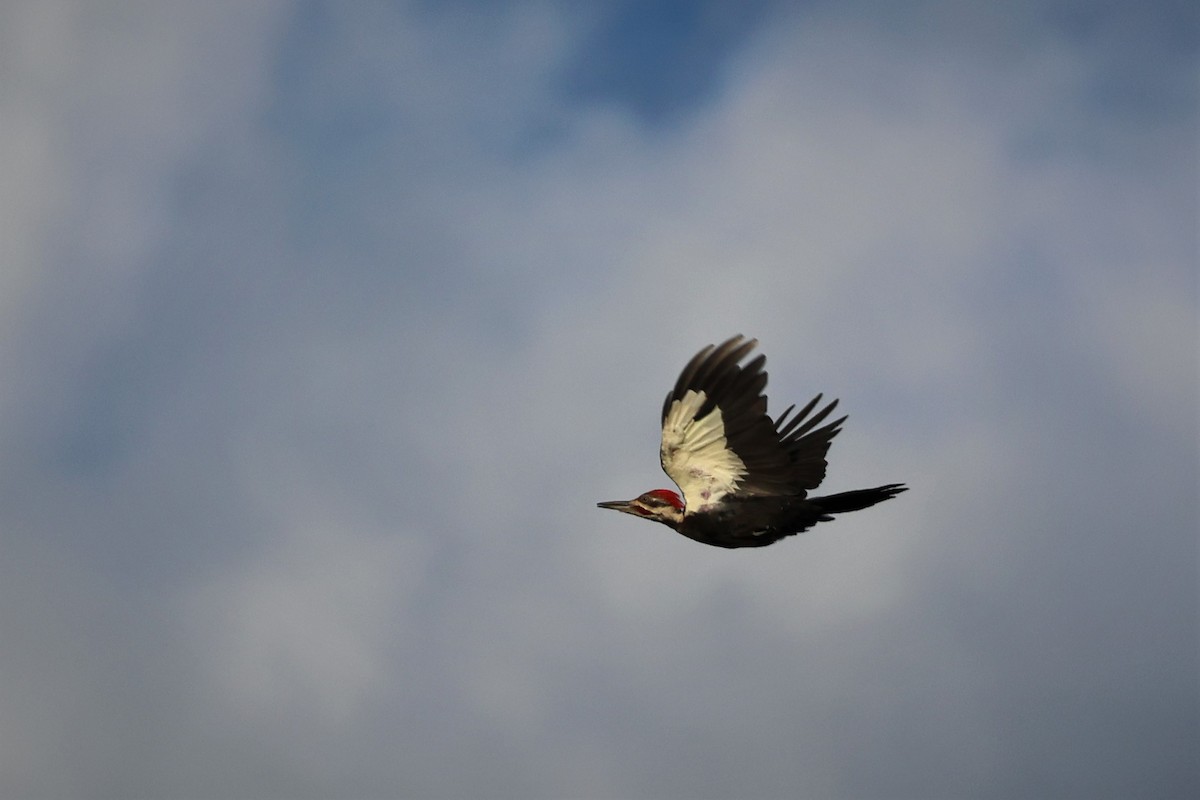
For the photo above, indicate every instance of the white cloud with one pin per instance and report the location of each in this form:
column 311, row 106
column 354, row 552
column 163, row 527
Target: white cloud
column 371, row 381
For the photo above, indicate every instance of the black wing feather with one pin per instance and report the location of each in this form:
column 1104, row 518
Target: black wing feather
column 786, row 457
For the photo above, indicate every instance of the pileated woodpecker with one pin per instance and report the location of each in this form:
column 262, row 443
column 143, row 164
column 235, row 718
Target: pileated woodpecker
column 745, row 479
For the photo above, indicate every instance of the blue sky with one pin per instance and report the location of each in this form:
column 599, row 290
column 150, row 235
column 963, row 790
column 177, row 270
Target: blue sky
column 324, row 327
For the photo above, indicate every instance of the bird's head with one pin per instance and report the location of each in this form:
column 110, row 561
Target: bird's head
column 660, row 505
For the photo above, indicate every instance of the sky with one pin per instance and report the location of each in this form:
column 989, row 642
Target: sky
column 323, row 327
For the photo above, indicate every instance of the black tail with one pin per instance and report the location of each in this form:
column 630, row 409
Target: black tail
column 856, row 500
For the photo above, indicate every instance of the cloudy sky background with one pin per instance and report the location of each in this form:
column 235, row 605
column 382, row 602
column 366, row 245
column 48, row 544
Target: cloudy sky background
column 324, row 326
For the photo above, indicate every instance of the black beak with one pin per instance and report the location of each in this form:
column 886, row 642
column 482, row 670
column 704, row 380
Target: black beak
column 616, row 505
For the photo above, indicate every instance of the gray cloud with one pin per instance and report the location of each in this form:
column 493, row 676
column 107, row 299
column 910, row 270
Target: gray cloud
column 328, row 328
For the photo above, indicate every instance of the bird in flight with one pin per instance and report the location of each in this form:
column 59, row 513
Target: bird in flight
column 745, row 478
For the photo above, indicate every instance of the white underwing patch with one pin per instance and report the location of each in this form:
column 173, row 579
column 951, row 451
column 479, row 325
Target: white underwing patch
column 696, row 455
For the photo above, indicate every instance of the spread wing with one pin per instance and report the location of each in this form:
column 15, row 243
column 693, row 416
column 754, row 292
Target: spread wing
column 717, row 438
